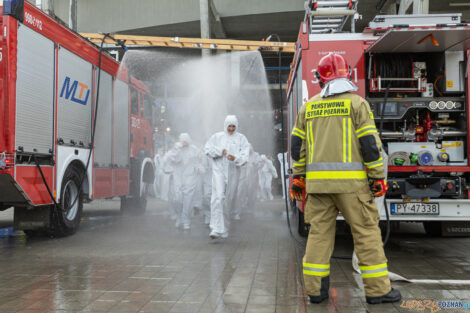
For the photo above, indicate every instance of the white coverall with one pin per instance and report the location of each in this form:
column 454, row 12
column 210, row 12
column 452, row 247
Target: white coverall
column 165, row 183
column 169, row 183
column 225, row 174
column 255, row 165
column 266, row 175
column 241, row 203
column 185, row 159
column 207, row 188
column 158, row 176
column 248, row 188
column 198, row 194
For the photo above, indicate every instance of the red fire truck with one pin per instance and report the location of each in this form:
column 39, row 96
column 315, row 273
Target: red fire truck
column 413, row 70
column 49, row 84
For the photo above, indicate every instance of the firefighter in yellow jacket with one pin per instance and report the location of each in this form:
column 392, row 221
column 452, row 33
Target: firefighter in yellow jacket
column 337, row 152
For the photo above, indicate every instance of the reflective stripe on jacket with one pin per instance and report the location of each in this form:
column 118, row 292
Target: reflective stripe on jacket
column 335, row 144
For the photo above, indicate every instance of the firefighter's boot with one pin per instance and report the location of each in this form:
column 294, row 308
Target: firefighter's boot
column 393, row 296
column 325, row 287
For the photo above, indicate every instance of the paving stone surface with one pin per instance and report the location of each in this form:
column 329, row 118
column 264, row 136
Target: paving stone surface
column 144, row 264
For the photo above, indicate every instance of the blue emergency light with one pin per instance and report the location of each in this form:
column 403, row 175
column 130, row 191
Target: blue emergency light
column 14, row 8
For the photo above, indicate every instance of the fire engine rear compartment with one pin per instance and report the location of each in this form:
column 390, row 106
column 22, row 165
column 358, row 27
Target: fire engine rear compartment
column 417, row 91
column 425, row 120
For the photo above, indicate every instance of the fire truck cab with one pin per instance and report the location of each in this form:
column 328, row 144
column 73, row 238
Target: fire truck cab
column 413, row 70
column 74, row 125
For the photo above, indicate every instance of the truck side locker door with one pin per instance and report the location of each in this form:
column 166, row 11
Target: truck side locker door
column 121, row 138
column 104, row 137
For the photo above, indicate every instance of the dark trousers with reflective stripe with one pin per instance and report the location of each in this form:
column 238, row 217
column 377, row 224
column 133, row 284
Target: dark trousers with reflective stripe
column 361, row 213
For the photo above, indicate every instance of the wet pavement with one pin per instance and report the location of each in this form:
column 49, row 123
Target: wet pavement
column 144, row 264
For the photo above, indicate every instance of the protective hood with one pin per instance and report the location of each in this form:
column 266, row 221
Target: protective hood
column 184, row 137
column 337, row 86
column 231, row 120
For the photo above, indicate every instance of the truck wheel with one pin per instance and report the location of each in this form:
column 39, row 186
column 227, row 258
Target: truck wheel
column 33, row 233
column 134, row 206
column 433, row 229
column 66, row 217
column 303, row 228
column 125, row 204
column 140, row 205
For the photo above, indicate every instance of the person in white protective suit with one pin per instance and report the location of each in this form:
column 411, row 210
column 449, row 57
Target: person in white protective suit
column 248, row 182
column 170, row 182
column 158, row 175
column 207, row 188
column 266, row 175
column 242, row 192
column 229, row 151
column 185, row 158
column 199, row 193
column 256, row 165
column 165, row 182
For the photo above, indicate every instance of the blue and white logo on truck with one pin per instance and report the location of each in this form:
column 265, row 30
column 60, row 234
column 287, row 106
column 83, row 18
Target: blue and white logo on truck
column 75, row 91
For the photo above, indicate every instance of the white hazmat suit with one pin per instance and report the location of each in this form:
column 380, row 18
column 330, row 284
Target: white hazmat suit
column 169, row 183
column 185, row 159
column 266, row 175
column 207, row 188
column 158, row 175
column 225, row 174
column 248, row 188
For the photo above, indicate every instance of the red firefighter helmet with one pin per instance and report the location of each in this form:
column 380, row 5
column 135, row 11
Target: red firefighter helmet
column 332, row 66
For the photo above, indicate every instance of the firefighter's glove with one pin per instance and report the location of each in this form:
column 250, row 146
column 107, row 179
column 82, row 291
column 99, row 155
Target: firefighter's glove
column 297, row 189
column 379, row 188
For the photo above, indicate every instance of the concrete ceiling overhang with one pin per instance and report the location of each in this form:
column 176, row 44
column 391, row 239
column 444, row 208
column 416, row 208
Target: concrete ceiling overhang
column 285, row 24
column 249, row 27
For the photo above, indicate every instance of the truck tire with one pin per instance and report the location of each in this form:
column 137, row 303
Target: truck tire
column 32, row 233
column 433, row 229
column 140, row 205
column 134, row 205
column 67, row 215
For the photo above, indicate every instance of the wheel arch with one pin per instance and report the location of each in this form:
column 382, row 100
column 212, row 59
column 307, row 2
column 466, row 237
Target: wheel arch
column 68, row 158
column 147, row 173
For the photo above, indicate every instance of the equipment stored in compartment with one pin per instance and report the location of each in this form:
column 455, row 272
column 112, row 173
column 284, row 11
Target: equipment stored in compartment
column 418, row 100
column 397, row 108
column 428, row 153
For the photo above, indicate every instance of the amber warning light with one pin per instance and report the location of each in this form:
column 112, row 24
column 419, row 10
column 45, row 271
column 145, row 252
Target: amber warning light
column 5, row 161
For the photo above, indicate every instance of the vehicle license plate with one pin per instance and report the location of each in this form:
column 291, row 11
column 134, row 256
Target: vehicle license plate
column 414, row 208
